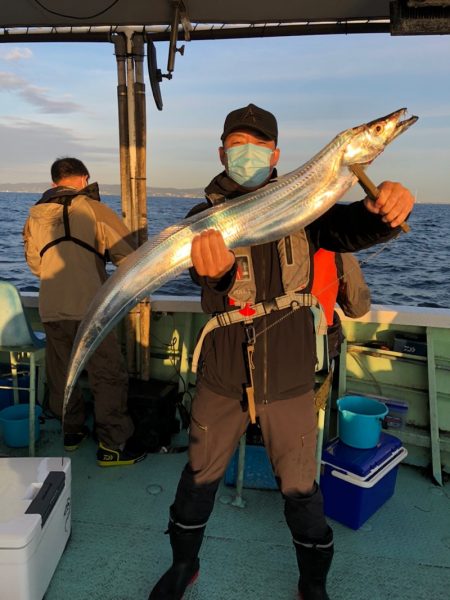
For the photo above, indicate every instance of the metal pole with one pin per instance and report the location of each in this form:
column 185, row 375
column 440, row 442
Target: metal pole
column 238, row 499
column 121, row 51
column 122, row 103
column 141, row 196
column 433, row 407
column 131, row 127
column 129, row 50
column 141, row 138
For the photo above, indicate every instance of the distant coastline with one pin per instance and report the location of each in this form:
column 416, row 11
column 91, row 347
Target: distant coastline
column 154, row 192
column 105, row 189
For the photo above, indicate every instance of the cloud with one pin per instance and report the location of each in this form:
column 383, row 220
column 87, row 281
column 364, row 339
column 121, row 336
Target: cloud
column 16, row 54
column 36, row 96
column 27, row 144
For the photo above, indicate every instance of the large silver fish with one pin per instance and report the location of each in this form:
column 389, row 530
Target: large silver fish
column 268, row 214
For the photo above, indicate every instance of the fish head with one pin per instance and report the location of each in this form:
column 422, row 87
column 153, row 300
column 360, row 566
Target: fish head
column 365, row 142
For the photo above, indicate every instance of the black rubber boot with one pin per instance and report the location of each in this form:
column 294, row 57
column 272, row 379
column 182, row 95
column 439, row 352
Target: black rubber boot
column 185, row 567
column 314, row 562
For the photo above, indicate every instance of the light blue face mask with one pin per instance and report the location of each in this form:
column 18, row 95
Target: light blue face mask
column 248, row 164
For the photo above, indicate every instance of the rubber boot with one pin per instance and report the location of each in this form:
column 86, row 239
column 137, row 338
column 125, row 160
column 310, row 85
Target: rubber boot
column 314, row 562
column 185, row 567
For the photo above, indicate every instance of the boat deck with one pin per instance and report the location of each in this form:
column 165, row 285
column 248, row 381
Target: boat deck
column 118, row 549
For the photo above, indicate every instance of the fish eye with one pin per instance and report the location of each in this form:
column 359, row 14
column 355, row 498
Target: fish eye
column 378, row 129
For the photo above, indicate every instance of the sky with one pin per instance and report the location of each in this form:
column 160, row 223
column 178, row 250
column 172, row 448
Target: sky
column 59, row 99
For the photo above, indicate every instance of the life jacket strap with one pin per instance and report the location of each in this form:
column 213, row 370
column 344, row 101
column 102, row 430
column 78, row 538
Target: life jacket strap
column 68, row 237
column 293, row 300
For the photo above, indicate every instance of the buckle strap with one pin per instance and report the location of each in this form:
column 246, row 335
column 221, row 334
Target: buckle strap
column 293, row 300
column 224, row 319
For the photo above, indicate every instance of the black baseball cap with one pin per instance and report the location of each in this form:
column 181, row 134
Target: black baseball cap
column 251, row 117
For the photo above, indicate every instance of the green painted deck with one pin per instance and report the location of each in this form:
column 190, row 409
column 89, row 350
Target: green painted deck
column 118, row 549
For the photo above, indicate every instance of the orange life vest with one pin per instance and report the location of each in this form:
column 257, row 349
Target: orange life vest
column 326, row 282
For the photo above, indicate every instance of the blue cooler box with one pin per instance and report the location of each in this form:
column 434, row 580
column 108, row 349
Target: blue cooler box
column 356, row 483
column 258, row 473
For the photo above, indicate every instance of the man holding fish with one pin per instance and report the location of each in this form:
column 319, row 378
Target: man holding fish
column 261, row 364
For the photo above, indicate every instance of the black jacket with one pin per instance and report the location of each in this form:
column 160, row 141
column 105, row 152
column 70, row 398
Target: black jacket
column 285, row 353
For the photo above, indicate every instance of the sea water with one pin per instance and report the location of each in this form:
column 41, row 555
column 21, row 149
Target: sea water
column 410, row 270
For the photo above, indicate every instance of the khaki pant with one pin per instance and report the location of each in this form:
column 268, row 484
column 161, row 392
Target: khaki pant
column 108, row 380
column 289, row 429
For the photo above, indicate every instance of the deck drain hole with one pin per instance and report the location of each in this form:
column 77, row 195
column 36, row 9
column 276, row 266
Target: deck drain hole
column 225, row 499
column 154, row 489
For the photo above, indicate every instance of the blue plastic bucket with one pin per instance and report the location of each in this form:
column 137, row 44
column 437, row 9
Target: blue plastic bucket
column 15, row 422
column 360, row 420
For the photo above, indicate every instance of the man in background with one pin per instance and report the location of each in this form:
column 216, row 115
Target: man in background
column 68, row 237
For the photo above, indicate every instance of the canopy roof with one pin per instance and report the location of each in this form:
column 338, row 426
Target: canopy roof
column 159, row 12
column 209, row 19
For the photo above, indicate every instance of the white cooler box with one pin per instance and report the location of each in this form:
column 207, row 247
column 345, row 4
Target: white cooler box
column 35, row 523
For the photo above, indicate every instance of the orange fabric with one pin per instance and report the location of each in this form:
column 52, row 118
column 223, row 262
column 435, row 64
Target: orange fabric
column 325, row 285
